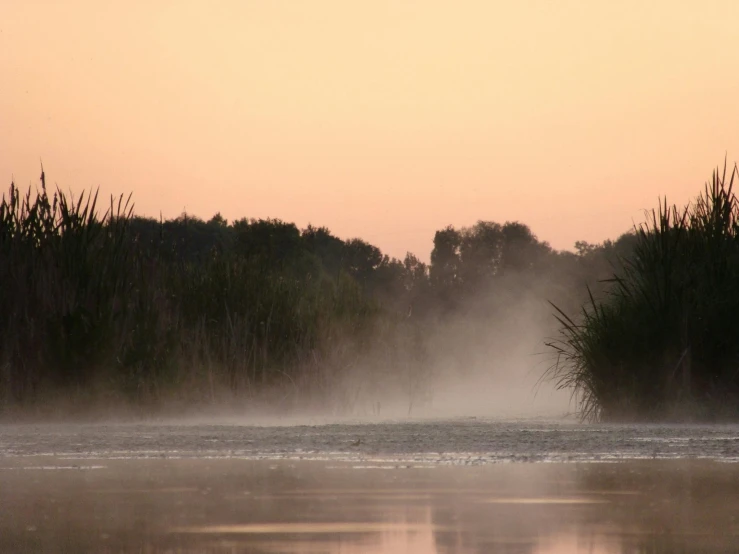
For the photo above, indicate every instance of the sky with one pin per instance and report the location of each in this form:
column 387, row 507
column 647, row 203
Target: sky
column 380, row 119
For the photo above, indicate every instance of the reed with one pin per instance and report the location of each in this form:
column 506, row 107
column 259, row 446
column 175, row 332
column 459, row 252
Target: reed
column 64, row 272
column 90, row 302
column 662, row 343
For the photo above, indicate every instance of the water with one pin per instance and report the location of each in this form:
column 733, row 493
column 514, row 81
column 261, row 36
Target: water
column 462, row 486
column 460, row 441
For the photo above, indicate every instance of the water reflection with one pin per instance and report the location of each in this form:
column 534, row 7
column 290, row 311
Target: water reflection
column 157, row 506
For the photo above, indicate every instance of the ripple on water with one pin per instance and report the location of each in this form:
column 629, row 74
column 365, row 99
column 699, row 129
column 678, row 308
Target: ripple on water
column 452, row 442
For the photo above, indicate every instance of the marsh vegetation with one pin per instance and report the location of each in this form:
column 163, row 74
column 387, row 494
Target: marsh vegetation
column 100, row 306
column 663, row 342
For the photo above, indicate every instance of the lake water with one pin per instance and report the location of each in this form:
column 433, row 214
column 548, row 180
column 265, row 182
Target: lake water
column 457, row 486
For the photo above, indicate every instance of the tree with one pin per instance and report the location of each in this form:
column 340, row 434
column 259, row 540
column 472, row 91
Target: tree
column 481, row 253
column 326, row 247
column 445, row 259
column 270, row 241
column 522, row 251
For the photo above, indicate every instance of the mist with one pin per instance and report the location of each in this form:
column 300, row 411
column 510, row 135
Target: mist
column 320, row 277
column 486, row 359
column 127, row 314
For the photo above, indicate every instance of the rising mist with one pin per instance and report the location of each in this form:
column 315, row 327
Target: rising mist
column 103, row 308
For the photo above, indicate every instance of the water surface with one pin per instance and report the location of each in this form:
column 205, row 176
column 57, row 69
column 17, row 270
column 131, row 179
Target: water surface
column 461, row 441
column 466, row 486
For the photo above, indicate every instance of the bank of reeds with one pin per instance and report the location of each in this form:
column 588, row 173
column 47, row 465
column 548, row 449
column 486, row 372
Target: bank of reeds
column 664, row 342
column 88, row 311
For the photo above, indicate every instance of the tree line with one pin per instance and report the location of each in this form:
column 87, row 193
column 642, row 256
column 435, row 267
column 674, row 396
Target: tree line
column 97, row 302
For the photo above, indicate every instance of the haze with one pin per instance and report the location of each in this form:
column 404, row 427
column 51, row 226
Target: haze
column 385, row 120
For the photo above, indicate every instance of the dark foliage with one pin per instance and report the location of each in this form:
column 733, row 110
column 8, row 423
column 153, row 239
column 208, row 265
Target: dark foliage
column 100, row 303
column 663, row 343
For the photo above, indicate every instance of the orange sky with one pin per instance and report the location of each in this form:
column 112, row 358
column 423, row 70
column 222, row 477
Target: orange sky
column 383, row 119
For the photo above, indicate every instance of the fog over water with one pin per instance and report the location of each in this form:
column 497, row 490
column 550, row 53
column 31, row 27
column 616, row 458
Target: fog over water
column 466, row 441
column 413, row 485
column 356, row 266
column 433, row 482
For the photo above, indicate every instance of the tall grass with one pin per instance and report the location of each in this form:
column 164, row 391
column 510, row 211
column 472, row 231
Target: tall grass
column 88, row 307
column 63, row 276
column 664, row 342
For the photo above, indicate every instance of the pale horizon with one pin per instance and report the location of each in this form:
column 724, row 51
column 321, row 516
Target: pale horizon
column 385, row 121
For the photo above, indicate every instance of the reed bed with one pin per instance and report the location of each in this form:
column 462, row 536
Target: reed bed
column 663, row 343
column 100, row 304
